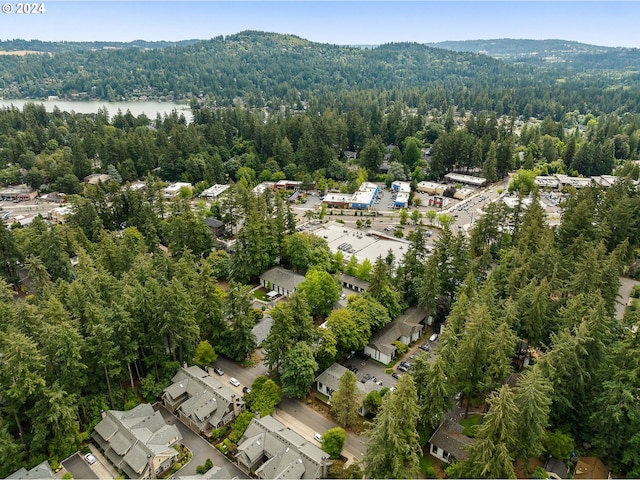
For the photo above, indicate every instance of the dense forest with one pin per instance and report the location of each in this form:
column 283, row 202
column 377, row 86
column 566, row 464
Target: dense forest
column 272, row 70
column 98, row 315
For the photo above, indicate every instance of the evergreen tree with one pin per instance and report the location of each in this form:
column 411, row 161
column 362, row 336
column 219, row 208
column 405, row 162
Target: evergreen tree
column 394, row 447
column 346, row 400
column 489, row 456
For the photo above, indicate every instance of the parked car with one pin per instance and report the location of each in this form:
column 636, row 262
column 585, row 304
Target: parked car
column 402, row 368
column 317, row 437
column 233, row 381
column 433, row 337
column 246, row 390
column 366, row 378
column 396, row 375
column 90, row 458
column 218, row 370
column 425, row 346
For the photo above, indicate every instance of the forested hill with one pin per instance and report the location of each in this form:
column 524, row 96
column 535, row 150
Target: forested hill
column 273, row 69
column 249, row 64
column 550, row 52
column 39, row 46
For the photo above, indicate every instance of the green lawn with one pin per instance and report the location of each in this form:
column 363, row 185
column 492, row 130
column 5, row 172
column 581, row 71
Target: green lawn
column 426, row 466
column 260, row 294
column 470, row 422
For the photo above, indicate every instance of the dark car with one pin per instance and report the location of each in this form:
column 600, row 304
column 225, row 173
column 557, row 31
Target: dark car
column 218, row 370
column 366, row 378
column 396, row 375
column 364, row 356
column 246, row 390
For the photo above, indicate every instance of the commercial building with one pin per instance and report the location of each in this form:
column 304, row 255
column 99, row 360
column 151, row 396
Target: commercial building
column 214, row 192
column 466, row 179
column 431, row 188
column 364, row 197
column 18, row 193
column 337, row 200
column 173, row 189
column 369, row 245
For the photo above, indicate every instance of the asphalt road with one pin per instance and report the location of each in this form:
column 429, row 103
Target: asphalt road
column 300, row 417
column 307, row 421
column 78, row 467
column 200, row 448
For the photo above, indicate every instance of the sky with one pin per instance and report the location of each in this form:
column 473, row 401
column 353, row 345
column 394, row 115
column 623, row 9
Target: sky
column 613, row 24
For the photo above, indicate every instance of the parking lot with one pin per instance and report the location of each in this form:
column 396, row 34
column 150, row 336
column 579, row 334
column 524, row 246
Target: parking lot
column 370, row 369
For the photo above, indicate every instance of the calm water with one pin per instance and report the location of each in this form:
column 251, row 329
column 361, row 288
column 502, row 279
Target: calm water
column 150, row 109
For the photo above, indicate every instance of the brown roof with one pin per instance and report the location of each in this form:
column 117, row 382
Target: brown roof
column 591, row 468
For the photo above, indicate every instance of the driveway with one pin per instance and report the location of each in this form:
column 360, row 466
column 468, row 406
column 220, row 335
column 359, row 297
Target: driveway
column 200, row 448
column 624, row 294
column 78, row 467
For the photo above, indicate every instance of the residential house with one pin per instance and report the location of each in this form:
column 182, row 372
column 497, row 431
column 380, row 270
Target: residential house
column 138, row 441
column 281, row 281
column 329, row 380
column 261, row 329
column 448, row 442
column 201, row 400
column 268, row 449
column 350, row 155
column 40, row 472
column 407, row 328
column 217, row 228
column 556, row 468
column 353, row 283
column 214, row 473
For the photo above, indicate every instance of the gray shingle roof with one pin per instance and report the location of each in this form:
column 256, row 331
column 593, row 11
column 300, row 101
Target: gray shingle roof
column 208, row 399
column 283, row 278
column 138, row 433
column 283, row 447
column 39, row 472
column 363, row 284
column 405, row 325
column 450, row 438
column 331, row 378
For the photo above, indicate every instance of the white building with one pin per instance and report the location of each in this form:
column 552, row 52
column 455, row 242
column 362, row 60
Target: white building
column 173, row 189
column 214, row 191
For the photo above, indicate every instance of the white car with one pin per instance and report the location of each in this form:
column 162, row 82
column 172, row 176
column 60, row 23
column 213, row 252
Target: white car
column 90, row 459
column 233, row 381
column 317, row 436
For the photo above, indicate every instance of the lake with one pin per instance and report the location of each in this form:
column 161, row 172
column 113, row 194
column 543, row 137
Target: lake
column 150, row 109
